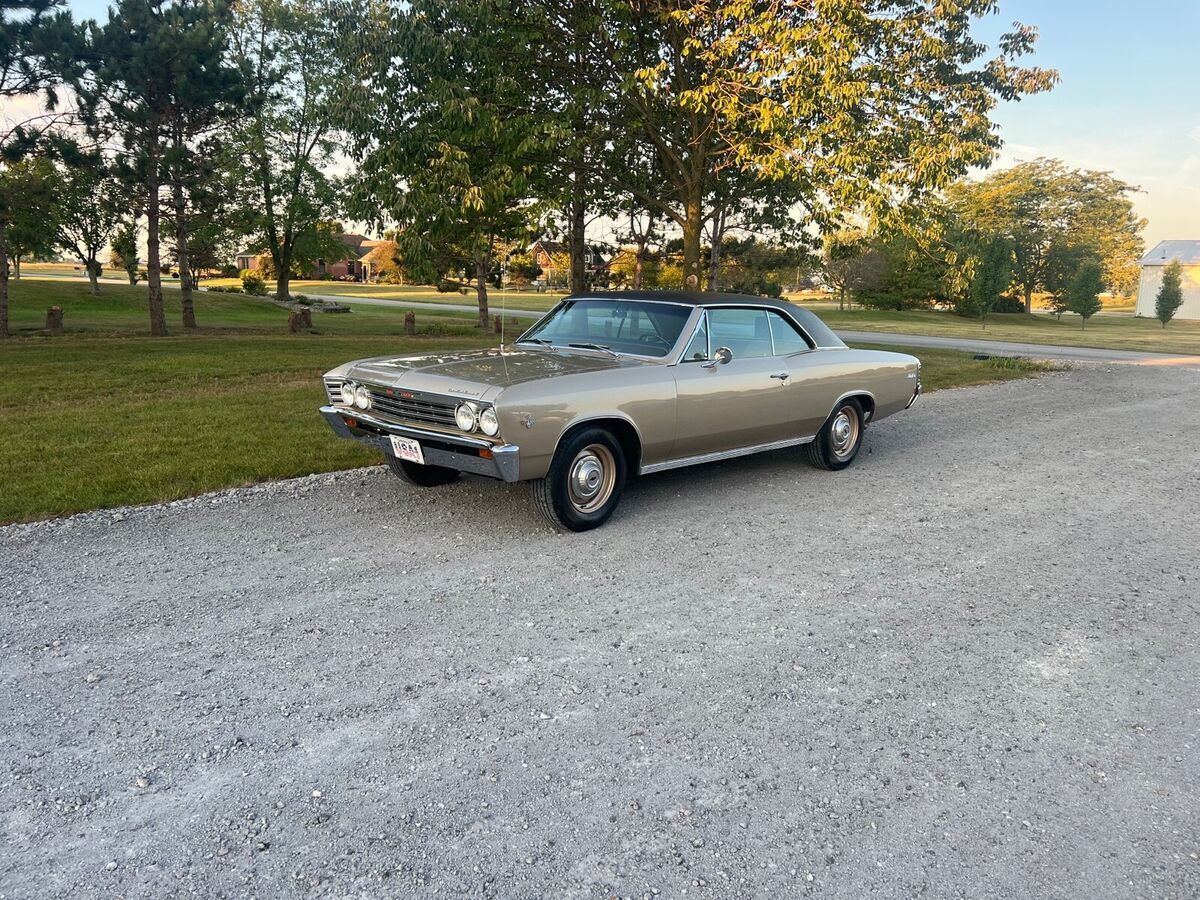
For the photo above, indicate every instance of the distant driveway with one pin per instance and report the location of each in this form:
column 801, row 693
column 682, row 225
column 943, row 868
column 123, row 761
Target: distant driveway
column 966, row 667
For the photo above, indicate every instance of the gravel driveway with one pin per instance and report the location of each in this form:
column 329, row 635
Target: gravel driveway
column 970, row 666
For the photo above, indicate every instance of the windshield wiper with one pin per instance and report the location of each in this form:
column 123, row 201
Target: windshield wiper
column 542, row 341
column 585, row 346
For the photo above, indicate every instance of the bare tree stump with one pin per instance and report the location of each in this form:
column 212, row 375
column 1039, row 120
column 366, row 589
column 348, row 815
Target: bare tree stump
column 498, row 325
column 410, row 323
column 54, row 320
column 300, row 320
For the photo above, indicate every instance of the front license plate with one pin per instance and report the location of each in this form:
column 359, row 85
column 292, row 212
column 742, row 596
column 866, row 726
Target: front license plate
column 406, row 449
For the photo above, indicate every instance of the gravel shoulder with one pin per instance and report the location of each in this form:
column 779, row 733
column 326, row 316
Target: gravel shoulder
column 966, row 667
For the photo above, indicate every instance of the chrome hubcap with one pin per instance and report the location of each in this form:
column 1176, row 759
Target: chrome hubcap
column 591, row 478
column 843, row 434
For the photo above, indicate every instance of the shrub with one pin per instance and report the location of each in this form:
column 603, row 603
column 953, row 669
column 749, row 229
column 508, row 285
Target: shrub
column 446, row 286
column 254, row 283
column 1008, row 304
column 302, row 300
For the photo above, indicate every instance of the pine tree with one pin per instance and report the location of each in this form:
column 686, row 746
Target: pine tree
column 1083, row 296
column 127, row 93
column 1170, row 293
column 38, row 46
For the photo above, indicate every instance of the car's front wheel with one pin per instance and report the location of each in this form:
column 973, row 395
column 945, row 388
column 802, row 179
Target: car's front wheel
column 585, row 480
column 421, row 476
column 839, row 439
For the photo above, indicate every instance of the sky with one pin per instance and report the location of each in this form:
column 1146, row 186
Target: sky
column 1128, row 102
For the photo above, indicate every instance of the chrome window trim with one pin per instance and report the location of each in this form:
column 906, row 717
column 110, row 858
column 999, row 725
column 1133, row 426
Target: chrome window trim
column 812, row 345
column 666, row 358
column 722, row 455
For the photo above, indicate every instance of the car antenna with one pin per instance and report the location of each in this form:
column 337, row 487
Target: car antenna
column 503, row 298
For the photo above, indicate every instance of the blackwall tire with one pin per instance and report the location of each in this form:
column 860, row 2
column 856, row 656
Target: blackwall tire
column 584, row 483
column 840, row 438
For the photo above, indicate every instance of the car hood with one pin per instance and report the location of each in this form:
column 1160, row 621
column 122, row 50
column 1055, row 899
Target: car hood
column 480, row 374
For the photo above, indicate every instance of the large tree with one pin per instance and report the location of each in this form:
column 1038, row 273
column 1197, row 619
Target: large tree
column 38, row 50
column 31, row 190
column 284, row 140
column 90, row 205
column 127, row 94
column 205, row 93
column 446, row 139
column 1051, row 213
column 848, row 106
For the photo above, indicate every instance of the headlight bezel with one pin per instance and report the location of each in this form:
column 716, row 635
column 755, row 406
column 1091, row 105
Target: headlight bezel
column 461, row 411
column 362, row 396
column 346, row 393
column 488, row 422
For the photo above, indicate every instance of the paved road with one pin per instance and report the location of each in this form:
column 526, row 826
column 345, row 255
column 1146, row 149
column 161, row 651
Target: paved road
column 965, row 668
column 1016, row 348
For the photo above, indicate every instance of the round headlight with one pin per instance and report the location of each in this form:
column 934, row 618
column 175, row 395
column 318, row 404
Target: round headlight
column 464, row 417
column 347, row 393
column 488, row 423
column 362, row 397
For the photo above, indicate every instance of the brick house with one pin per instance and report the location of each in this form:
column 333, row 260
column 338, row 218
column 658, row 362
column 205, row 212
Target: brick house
column 351, row 267
column 554, row 259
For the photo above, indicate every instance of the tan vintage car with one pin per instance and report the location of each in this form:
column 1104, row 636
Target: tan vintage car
column 610, row 384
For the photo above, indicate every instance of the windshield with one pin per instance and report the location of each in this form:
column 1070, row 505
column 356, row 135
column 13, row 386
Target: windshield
column 622, row 326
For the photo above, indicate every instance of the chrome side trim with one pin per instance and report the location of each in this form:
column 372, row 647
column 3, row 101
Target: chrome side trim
column 722, row 455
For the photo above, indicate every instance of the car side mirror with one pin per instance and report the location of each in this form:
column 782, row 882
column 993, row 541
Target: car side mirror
column 721, row 356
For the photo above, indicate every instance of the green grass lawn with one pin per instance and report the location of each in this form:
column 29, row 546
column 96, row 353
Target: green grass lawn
column 105, row 416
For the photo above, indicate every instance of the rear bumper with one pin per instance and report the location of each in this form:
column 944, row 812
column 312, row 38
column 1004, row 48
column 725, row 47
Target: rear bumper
column 440, row 449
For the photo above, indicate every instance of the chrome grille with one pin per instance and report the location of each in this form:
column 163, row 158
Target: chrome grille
column 415, row 407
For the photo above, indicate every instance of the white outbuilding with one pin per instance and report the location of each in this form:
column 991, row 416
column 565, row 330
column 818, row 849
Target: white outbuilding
column 1157, row 260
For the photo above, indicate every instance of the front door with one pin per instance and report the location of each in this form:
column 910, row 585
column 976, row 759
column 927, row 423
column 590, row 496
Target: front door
column 742, row 403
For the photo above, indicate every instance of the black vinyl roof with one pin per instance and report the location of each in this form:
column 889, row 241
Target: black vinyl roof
column 821, row 334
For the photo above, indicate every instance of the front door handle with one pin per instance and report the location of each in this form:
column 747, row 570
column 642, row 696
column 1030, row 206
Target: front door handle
column 782, row 376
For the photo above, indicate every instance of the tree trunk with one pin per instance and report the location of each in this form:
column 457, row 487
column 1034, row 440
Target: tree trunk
column 93, row 270
column 577, row 281
column 481, row 268
column 1029, row 298
column 283, row 277
column 714, row 264
column 17, row 267
column 3, row 280
column 158, row 319
column 693, row 227
column 181, row 255
column 639, row 265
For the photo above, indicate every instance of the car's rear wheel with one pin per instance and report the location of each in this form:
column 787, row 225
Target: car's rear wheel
column 585, row 480
column 838, row 441
column 421, row 476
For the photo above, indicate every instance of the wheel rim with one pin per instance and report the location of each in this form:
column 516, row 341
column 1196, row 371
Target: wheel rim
column 591, row 478
column 843, row 433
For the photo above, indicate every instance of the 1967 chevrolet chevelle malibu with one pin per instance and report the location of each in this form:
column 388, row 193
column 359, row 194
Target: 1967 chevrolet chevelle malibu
column 609, row 384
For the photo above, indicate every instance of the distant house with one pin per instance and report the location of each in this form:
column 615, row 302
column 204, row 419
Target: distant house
column 554, row 259
column 354, row 266
column 1153, row 264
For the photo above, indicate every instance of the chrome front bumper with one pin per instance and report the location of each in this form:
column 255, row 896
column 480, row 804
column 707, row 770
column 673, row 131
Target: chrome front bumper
column 460, row 452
